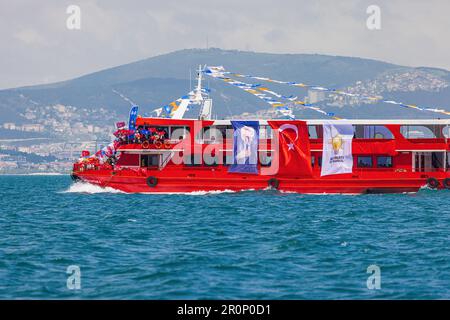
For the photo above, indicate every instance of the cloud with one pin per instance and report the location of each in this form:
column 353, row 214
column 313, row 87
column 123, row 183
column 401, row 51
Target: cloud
column 30, row 37
column 35, row 43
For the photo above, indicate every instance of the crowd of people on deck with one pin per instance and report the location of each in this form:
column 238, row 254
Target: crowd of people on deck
column 107, row 155
column 140, row 135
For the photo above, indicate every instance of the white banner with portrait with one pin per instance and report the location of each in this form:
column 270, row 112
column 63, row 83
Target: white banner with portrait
column 337, row 148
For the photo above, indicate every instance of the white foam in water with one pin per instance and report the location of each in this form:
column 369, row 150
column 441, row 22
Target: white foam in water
column 319, row 193
column 338, row 194
column 202, row 193
column 46, row 174
column 287, row 192
column 84, row 187
column 426, row 187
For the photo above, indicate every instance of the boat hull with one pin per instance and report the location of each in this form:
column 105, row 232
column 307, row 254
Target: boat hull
column 171, row 184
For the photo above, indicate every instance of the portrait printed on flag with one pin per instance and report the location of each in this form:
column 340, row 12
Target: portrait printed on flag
column 245, row 147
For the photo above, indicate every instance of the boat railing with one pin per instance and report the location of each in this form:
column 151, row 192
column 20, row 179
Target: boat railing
column 83, row 166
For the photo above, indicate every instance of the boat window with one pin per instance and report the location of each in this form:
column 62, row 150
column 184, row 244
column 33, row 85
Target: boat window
column 224, row 130
column 211, row 161
column 312, row 132
column 384, row 162
column 316, row 162
column 214, row 162
column 417, row 132
column 227, row 158
column 209, row 135
column 178, row 133
column 202, row 135
column 437, row 160
column 446, row 131
column 448, row 160
column 193, row 160
column 150, row 160
column 428, row 161
column 265, row 158
column 372, row 132
column 364, row 162
column 265, row 132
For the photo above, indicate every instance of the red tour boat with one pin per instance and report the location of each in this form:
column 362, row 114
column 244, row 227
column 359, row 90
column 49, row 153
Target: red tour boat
column 176, row 155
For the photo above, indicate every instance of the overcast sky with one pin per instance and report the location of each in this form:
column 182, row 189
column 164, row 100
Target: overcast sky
column 36, row 46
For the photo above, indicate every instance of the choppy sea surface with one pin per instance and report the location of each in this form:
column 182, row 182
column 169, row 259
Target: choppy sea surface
column 248, row 245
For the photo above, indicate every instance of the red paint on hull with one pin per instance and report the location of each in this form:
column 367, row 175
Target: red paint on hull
column 171, row 184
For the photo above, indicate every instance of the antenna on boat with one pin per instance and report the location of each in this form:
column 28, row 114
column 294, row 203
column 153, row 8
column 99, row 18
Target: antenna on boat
column 198, row 96
column 198, row 90
column 205, row 103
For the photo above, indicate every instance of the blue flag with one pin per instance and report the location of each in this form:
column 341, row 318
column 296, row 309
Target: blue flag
column 133, row 116
column 245, row 147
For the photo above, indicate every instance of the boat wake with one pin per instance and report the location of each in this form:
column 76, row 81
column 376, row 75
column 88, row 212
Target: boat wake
column 84, row 187
column 46, row 174
column 87, row 188
column 203, row 193
column 426, row 188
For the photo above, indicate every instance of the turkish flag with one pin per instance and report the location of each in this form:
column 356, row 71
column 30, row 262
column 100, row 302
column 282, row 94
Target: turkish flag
column 294, row 155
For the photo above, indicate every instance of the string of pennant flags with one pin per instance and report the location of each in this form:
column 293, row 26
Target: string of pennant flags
column 267, row 95
column 259, row 93
column 170, row 109
column 256, row 89
column 221, row 73
column 262, row 92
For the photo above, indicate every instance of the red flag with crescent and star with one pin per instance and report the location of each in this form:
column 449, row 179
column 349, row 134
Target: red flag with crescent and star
column 294, row 153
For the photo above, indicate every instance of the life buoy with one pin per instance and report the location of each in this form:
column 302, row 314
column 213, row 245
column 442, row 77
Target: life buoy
column 273, row 183
column 446, row 183
column 152, row 181
column 432, row 183
column 145, row 144
column 167, row 144
column 158, row 144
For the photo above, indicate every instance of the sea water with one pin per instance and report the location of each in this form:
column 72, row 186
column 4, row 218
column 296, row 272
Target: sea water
column 247, row 245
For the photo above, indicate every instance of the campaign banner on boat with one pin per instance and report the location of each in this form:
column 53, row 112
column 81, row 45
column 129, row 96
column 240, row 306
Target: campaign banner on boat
column 245, row 147
column 337, row 149
column 133, row 116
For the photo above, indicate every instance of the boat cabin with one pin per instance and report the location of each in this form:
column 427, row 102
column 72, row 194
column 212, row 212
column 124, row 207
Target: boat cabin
column 378, row 145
